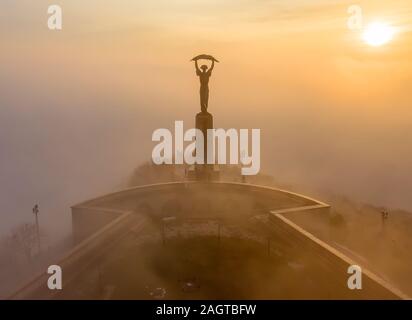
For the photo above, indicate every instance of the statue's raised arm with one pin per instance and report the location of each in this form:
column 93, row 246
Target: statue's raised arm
column 211, row 67
column 197, row 67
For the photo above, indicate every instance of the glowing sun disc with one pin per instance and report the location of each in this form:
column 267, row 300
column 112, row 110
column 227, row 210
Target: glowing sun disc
column 377, row 34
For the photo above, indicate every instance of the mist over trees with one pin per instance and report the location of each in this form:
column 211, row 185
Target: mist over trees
column 148, row 173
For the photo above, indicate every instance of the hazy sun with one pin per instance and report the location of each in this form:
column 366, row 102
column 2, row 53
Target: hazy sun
column 377, row 34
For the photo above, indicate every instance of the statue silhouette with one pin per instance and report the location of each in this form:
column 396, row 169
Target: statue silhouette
column 204, row 74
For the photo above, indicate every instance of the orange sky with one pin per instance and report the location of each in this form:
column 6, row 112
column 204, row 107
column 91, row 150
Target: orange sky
column 267, row 48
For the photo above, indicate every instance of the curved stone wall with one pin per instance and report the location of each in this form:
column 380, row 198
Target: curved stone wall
column 188, row 199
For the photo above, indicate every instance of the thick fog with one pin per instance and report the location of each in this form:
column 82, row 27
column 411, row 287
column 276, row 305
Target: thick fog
column 78, row 106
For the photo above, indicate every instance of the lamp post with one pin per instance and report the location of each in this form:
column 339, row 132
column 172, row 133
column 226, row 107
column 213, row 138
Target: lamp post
column 36, row 214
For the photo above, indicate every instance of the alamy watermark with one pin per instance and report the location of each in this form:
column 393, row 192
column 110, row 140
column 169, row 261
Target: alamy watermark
column 355, row 280
column 355, row 20
column 55, row 18
column 54, row 282
column 215, row 148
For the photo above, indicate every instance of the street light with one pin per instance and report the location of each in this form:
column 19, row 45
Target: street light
column 36, row 214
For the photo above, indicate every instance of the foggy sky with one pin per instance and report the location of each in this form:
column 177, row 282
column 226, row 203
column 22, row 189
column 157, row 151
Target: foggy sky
column 78, row 106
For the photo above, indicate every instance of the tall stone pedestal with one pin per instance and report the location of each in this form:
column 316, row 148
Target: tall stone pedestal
column 204, row 121
column 205, row 172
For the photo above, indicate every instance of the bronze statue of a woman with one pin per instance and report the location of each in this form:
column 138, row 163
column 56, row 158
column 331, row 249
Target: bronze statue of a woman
column 204, row 73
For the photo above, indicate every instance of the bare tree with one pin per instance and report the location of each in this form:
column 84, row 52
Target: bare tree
column 148, row 173
column 24, row 239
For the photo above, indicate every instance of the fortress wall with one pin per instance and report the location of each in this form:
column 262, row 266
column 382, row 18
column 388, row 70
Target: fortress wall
column 210, row 190
column 373, row 287
column 78, row 258
column 183, row 199
column 108, row 225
